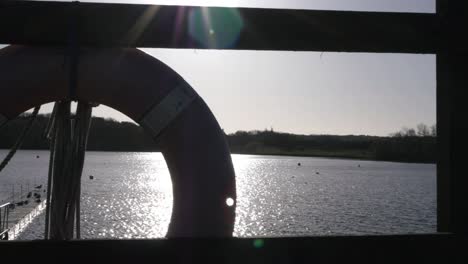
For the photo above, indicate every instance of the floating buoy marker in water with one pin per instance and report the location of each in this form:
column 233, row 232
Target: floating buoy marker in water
column 299, row 164
column 91, row 177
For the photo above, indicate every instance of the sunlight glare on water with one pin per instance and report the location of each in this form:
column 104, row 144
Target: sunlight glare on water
column 131, row 195
column 135, row 198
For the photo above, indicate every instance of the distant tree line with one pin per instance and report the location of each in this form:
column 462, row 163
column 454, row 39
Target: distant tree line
column 406, row 145
column 422, row 130
column 104, row 135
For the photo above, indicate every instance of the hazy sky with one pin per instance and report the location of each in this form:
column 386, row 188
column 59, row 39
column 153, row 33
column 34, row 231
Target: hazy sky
column 425, row 6
column 309, row 92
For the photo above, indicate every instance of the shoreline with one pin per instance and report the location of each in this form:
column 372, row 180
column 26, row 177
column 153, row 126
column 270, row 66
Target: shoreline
column 330, row 156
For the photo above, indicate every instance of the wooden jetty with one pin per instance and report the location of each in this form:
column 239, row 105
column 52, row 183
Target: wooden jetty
column 16, row 216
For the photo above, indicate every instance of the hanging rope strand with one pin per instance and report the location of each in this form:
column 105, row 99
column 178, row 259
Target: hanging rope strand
column 82, row 126
column 62, row 139
column 20, row 139
column 69, row 139
column 50, row 129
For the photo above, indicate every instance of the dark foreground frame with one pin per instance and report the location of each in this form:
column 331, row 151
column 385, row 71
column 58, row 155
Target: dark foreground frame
column 443, row 34
column 441, row 248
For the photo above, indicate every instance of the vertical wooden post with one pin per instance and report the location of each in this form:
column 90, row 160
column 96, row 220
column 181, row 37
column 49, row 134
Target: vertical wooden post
column 443, row 146
column 452, row 79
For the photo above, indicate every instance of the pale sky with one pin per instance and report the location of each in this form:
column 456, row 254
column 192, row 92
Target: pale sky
column 421, row 6
column 308, row 92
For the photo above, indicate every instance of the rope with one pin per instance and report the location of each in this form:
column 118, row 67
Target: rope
column 48, row 135
column 73, row 50
column 68, row 145
column 20, row 139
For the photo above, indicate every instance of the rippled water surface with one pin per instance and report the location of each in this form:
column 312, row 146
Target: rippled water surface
column 131, row 196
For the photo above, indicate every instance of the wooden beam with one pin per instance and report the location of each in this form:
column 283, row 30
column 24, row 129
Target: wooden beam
column 452, row 79
column 443, row 132
column 325, row 249
column 127, row 25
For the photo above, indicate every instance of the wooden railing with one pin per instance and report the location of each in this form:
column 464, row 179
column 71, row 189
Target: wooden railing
column 4, row 212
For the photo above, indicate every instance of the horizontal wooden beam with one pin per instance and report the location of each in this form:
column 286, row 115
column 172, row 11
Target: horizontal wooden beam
column 127, row 25
column 326, row 249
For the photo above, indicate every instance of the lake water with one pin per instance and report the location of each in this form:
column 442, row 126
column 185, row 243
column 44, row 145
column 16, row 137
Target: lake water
column 131, row 196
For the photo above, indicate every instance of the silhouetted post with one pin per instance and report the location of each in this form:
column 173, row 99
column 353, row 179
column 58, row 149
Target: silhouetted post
column 452, row 70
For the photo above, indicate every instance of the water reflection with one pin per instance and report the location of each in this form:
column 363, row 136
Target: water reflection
column 131, row 196
column 275, row 197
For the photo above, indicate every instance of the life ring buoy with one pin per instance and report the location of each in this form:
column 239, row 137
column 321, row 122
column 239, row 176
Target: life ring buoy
column 156, row 97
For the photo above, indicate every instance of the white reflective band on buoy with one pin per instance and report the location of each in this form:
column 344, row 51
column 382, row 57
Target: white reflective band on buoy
column 168, row 109
column 2, row 119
